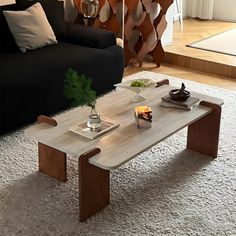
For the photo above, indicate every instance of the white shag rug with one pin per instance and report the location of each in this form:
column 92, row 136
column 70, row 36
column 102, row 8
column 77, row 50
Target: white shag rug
column 222, row 43
column 167, row 190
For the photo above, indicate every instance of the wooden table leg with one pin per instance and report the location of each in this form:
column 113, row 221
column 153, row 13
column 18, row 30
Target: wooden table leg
column 52, row 162
column 94, row 186
column 203, row 135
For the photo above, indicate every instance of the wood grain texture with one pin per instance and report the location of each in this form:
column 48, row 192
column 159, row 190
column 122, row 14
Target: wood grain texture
column 47, row 120
column 185, row 73
column 201, row 64
column 94, row 186
column 163, row 82
column 52, row 162
column 203, row 135
column 150, row 30
column 124, row 143
column 201, row 60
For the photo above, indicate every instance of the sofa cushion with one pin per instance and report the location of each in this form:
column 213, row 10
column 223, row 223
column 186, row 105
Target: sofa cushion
column 90, row 37
column 49, row 65
column 34, row 85
column 7, row 42
column 54, row 10
column 30, row 28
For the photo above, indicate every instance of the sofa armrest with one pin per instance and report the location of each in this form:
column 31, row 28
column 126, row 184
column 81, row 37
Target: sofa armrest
column 90, row 37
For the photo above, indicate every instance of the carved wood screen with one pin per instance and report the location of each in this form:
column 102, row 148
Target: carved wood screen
column 144, row 25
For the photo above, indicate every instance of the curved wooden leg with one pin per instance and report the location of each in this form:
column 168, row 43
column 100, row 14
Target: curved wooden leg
column 94, row 186
column 203, row 135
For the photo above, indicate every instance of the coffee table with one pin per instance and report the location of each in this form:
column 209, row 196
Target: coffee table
column 98, row 157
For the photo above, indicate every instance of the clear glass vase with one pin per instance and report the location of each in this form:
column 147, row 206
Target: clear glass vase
column 89, row 8
column 94, row 120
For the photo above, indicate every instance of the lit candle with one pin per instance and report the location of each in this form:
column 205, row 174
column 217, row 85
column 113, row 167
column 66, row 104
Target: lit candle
column 143, row 116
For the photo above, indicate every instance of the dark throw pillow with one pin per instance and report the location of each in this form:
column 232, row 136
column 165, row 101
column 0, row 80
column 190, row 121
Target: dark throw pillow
column 7, row 42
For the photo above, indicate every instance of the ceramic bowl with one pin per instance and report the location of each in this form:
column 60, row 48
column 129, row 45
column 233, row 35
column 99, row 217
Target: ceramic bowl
column 137, row 98
column 179, row 96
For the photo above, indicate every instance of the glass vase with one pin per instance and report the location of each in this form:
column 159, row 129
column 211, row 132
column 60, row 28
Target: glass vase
column 89, row 8
column 94, row 120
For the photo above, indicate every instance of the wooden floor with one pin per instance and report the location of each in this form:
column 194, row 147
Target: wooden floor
column 187, row 74
column 193, row 30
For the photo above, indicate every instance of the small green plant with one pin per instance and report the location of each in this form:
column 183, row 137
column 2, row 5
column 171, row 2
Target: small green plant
column 78, row 90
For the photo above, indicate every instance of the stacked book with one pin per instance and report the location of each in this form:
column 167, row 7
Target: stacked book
column 185, row 105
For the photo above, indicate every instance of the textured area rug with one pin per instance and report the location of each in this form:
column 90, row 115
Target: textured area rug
column 166, row 190
column 221, row 43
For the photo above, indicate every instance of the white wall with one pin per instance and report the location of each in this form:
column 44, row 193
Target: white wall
column 225, row 10
column 167, row 37
column 184, row 9
column 184, row 3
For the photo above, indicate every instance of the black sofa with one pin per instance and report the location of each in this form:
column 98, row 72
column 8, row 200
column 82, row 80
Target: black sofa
column 32, row 83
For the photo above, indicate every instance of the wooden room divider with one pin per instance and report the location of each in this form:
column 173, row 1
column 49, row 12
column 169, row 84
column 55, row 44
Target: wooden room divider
column 141, row 24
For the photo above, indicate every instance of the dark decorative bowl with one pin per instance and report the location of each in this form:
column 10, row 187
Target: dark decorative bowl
column 177, row 96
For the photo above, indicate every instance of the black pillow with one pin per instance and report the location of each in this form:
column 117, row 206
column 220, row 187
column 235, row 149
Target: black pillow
column 7, row 42
column 54, row 11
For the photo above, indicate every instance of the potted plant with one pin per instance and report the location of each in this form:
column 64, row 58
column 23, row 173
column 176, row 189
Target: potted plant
column 78, row 89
